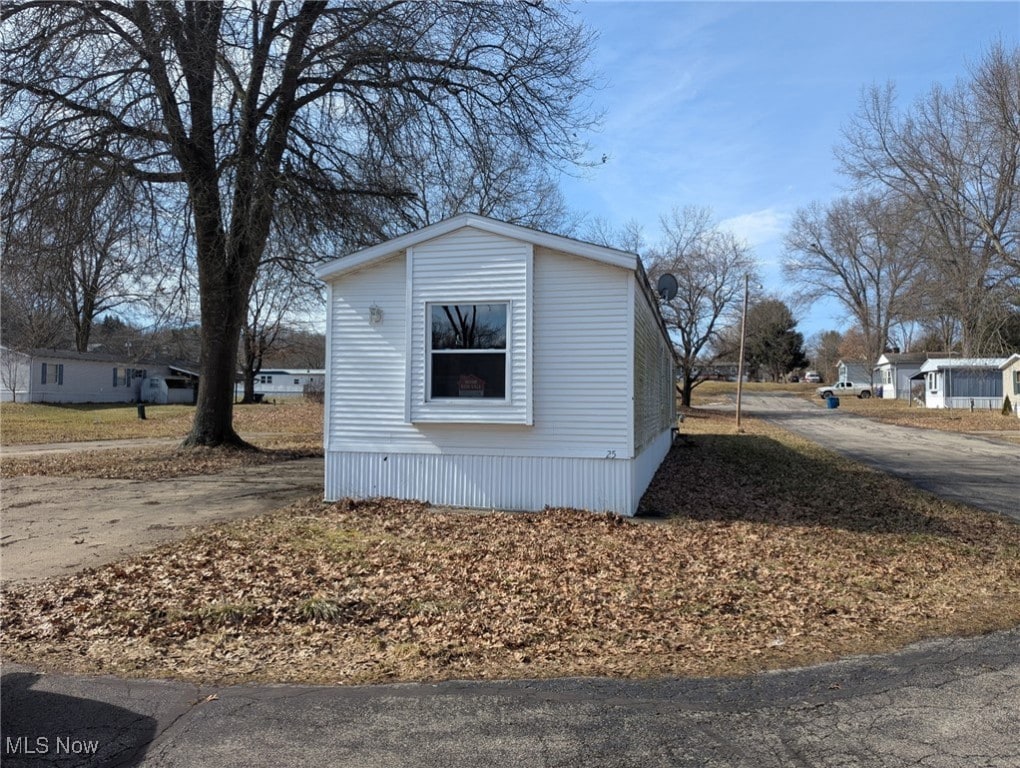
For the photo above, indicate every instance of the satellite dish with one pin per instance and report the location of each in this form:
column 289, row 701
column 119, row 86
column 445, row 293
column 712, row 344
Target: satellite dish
column 666, row 286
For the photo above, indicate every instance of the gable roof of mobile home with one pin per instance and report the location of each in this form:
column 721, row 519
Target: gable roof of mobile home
column 1009, row 361
column 384, row 250
column 905, row 358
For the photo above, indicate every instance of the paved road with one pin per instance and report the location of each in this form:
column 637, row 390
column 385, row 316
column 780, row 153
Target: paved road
column 982, row 473
column 942, row 704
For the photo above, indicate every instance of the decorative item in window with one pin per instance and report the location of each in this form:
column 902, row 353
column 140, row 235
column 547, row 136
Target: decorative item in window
column 469, row 385
column 375, row 315
column 468, row 350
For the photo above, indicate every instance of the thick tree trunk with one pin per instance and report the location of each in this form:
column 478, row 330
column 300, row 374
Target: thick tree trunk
column 225, row 276
column 685, row 395
column 214, row 410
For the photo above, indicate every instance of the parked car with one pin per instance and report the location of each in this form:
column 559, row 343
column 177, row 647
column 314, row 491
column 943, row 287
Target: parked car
column 794, row 378
column 813, row 377
column 844, row 387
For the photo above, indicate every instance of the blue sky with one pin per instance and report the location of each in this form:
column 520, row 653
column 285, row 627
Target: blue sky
column 737, row 106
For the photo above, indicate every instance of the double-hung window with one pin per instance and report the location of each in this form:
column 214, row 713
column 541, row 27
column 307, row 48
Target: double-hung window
column 467, row 354
column 53, row 373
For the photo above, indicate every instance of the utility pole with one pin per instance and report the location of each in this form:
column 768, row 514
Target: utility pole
column 740, row 363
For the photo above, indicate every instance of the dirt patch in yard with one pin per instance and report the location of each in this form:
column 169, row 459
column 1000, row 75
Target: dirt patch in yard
column 745, row 563
column 55, row 525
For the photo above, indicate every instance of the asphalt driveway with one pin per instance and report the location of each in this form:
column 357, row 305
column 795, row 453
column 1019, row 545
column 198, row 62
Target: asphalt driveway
column 981, row 472
column 942, row 704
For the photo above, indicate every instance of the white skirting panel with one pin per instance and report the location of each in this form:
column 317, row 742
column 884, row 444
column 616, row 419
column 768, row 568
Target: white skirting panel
column 977, row 403
column 646, row 464
column 496, row 482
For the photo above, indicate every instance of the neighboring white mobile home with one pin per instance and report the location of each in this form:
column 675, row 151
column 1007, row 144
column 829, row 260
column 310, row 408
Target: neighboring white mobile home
column 893, row 373
column 285, row 382
column 480, row 364
column 62, row 376
column 963, row 382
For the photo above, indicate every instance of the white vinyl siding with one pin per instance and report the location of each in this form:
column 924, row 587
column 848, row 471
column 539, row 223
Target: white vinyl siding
column 366, row 363
column 88, row 381
column 581, row 357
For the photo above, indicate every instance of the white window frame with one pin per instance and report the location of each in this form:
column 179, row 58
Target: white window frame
column 481, row 403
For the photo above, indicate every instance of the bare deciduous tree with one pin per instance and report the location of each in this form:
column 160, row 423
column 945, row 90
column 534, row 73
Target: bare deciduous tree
column 281, row 294
column 14, row 372
column 864, row 251
column 487, row 179
column 824, row 351
column 955, row 154
column 710, row 266
column 74, row 225
column 244, row 105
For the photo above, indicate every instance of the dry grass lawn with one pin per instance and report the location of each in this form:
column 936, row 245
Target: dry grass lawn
column 745, row 562
column 287, row 430
column 34, row 423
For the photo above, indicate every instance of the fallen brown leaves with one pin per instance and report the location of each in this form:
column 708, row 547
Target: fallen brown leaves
column 766, row 552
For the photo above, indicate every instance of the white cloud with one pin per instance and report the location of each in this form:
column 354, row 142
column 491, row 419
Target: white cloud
column 758, row 227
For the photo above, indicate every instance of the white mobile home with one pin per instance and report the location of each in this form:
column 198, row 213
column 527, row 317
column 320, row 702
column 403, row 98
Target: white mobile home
column 63, row 376
column 962, row 382
column 285, row 382
column 893, row 373
column 480, row 364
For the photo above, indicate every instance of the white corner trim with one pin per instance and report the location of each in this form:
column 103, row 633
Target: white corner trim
column 408, row 326
column 632, row 368
column 529, row 333
column 329, row 369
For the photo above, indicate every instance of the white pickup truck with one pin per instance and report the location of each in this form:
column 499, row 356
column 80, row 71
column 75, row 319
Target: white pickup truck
column 844, row 387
